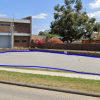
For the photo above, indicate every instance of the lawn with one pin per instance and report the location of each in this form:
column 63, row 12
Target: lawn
column 52, row 81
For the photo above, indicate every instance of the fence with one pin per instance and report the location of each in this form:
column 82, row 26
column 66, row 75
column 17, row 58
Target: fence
column 87, row 47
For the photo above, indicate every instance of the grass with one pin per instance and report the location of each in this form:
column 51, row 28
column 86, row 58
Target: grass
column 52, row 81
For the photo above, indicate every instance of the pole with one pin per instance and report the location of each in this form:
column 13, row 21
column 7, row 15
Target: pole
column 12, row 35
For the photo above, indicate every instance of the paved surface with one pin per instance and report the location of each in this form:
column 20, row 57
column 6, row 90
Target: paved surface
column 77, row 63
column 11, row 92
column 72, row 75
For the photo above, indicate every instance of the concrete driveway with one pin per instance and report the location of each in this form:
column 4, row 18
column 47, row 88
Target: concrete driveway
column 69, row 62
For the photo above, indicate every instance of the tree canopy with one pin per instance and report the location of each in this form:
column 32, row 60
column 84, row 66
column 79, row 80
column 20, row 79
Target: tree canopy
column 41, row 33
column 47, row 34
column 72, row 22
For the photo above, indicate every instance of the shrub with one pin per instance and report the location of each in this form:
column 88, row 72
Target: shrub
column 55, row 40
column 37, row 42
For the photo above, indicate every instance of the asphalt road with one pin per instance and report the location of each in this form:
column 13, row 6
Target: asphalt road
column 69, row 62
column 11, row 92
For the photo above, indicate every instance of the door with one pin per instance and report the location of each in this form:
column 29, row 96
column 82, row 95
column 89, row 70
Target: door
column 5, row 41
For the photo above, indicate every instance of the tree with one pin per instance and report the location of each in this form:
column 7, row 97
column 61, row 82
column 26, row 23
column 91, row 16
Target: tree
column 47, row 34
column 44, row 32
column 98, row 36
column 41, row 33
column 72, row 23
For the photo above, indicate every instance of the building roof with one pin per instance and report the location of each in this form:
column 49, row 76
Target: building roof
column 14, row 20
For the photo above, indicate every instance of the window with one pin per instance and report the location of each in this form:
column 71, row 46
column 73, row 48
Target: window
column 20, row 26
column 24, row 41
column 17, row 41
column 26, row 26
column 4, row 24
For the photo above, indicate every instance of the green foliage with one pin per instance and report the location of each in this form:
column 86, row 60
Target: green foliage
column 48, row 35
column 41, row 33
column 72, row 23
column 98, row 36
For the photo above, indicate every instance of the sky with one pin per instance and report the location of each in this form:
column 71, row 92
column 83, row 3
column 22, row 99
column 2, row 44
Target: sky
column 42, row 11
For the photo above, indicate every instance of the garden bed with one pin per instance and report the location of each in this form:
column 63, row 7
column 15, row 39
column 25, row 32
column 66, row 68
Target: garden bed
column 15, row 49
column 89, row 53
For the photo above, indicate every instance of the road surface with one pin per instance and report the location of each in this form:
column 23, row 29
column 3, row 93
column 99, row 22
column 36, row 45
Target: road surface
column 11, row 92
column 69, row 62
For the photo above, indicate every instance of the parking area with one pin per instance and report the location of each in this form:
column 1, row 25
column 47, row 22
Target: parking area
column 69, row 62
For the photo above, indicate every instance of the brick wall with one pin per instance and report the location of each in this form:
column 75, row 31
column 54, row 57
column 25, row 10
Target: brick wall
column 87, row 47
column 34, row 37
column 18, row 28
column 30, row 18
column 21, row 41
column 4, row 29
column 21, row 28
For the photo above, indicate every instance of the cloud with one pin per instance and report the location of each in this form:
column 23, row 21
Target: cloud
column 3, row 15
column 40, row 16
column 35, row 26
column 41, row 30
column 95, row 4
column 95, row 14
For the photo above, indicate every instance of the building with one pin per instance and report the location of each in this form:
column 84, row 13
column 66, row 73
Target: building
column 39, row 37
column 15, row 32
